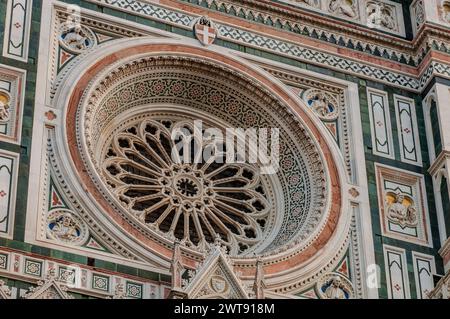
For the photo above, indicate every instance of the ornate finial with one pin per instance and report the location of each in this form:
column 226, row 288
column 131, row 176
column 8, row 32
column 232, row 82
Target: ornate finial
column 176, row 268
column 218, row 241
column 259, row 284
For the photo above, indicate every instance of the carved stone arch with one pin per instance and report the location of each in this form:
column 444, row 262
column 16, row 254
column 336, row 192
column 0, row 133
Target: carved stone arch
column 80, row 92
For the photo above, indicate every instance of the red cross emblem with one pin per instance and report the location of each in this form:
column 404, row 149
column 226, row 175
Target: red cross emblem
column 2, row 193
column 205, row 34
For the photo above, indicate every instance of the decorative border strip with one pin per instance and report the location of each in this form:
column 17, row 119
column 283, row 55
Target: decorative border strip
column 17, row 29
column 289, row 49
column 300, row 23
column 78, row 278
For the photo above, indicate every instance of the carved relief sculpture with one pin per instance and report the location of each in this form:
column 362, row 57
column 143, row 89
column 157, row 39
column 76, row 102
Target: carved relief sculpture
column 334, row 286
column 346, row 8
column 312, row 3
column 76, row 38
column 322, row 103
column 381, row 15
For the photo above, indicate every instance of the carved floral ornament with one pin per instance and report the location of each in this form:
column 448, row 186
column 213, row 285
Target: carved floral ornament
column 122, row 127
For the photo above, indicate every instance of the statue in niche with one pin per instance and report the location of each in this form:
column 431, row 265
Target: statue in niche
column 335, row 289
column 380, row 15
column 401, row 210
column 343, row 7
column 4, row 107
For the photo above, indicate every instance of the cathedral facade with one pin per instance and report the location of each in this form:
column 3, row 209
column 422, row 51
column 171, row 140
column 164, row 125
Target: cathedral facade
column 286, row 149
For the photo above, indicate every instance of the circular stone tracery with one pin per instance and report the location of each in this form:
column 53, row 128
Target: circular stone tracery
column 196, row 202
column 156, row 88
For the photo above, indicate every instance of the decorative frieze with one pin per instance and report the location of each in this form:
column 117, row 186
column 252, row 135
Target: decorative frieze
column 17, row 29
column 293, row 50
column 418, row 15
column 379, row 14
column 70, row 278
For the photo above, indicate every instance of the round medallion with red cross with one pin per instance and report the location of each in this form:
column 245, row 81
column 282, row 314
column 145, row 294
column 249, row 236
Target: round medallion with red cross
column 205, row 31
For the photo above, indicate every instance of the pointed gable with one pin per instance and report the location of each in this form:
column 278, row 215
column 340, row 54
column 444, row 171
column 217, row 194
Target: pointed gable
column 50, row 288
column 215, row 278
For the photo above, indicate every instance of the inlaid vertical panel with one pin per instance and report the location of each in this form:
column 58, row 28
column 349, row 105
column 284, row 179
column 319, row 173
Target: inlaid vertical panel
column 424, row 268
column 17, row 29
column 8, row 166
column 407, row 130
column 380, row 123
column 396, row 273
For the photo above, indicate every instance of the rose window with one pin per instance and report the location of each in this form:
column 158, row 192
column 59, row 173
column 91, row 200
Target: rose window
column 161, row 193
column 194, row 201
